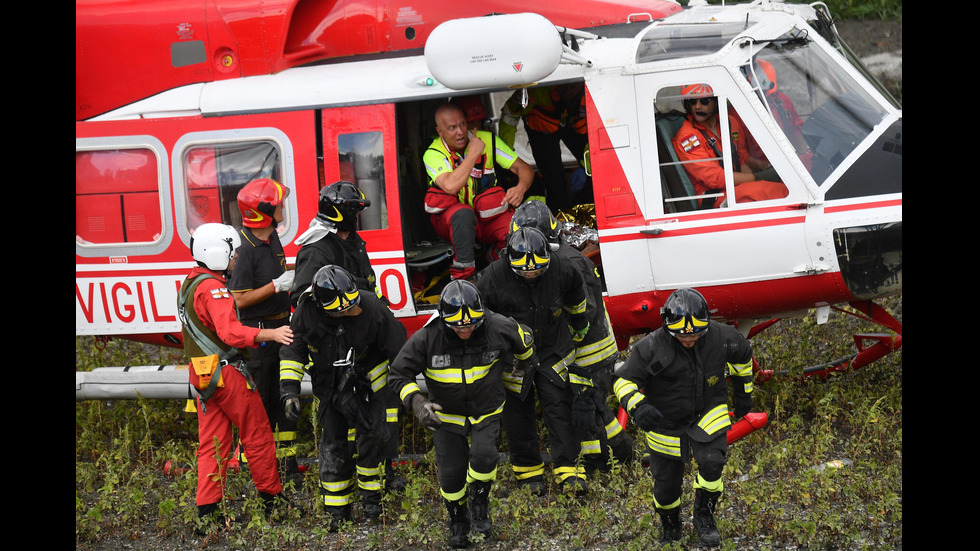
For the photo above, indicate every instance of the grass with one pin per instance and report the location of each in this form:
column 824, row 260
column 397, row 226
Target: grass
column 777, row 495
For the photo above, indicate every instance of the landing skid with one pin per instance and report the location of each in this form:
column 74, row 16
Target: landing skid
column 871, row 346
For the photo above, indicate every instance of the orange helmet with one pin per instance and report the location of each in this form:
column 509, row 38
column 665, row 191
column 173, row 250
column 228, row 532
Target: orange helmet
column 258, row 200
column 766, row 74
column 700, row 89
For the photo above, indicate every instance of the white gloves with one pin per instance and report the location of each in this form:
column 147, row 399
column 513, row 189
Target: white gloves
column 285, row 281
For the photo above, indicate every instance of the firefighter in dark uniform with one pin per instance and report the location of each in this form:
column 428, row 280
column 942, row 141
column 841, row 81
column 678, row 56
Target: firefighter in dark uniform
column 674, row 385
column 351, row 338
column 332, row 239
column 597, row 353
column 213, row 339
column 463, row 356
column 548, row 295
column 260, row 284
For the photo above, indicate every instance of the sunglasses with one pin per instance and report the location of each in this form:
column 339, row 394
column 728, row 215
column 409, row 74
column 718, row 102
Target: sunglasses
column 702, row 101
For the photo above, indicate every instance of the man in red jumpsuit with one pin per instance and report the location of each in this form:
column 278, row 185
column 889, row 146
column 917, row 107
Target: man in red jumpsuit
column 699, row 146
column 225, row 393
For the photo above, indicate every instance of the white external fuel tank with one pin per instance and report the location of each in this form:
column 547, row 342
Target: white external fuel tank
column 493, row 51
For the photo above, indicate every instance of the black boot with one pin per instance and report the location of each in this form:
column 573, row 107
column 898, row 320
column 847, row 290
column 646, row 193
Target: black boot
column 704, row 517
column 211, row 519
column 393, row 482
column 670, row 521
column 536, row 485
column 339, row 514
column 372, row 504
column 278, row 506
column 459, row 523
column 479, row 498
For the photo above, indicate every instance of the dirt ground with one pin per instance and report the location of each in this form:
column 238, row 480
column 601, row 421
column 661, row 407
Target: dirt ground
column 879, row 45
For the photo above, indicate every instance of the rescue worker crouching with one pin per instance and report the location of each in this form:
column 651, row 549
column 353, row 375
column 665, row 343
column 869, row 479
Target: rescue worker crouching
column 223, row 389
column 595, row 354
column 349, row 339
column 674, row 387
column 463, row 355
column 547, row 294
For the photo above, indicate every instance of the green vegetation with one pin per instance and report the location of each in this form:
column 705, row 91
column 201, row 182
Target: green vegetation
column 779, row 491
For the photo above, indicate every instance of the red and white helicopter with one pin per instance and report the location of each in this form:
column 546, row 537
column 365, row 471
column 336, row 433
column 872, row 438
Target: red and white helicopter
column 179, row 103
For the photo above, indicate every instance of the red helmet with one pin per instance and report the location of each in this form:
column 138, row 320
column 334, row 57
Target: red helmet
column 258, row 200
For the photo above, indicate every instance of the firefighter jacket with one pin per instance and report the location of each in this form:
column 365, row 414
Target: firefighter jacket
column 598, row 349
column 320, row 340
column 465, row 377
column 549, row 304
column 350, row 254
column 688, row 386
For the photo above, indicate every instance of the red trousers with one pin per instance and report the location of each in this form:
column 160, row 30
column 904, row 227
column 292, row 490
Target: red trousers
column 234, row 404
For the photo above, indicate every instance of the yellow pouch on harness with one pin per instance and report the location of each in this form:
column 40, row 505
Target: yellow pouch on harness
column 205, row 367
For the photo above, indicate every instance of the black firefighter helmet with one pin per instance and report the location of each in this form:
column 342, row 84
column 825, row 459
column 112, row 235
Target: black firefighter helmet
column 335, row 290
column 685, row 313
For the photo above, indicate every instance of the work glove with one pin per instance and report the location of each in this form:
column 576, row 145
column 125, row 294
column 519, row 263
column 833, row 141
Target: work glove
column 583, row 408
column 578, row 335
column 291, row 407
column 425, row 411
column 768, row 174
column 647, row 416
column 743, row 404
column 284, row 282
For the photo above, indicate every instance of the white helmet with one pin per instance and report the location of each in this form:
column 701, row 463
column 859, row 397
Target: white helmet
column 213, row 245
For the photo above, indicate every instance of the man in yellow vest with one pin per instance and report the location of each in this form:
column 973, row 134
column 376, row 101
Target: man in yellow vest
column 465, row 203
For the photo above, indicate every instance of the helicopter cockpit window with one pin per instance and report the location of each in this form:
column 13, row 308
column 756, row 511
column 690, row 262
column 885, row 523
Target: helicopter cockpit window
column 361, row 157
column 696, row 140
column 213, row 174
column 686, row 40
column 822, row 110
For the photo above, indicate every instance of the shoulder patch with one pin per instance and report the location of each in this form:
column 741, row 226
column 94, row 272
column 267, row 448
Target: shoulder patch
column 220, row 292
column 690, row 142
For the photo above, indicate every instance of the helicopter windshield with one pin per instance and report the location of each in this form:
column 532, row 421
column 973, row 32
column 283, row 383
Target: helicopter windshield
column 686, row 40
column 824, row 112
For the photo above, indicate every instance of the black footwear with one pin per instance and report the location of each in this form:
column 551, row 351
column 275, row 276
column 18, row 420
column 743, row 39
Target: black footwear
column 211, row 519
column 704, row 517
column 459, row 524
column 393, row 482
column 338, row 516
column 670, row 522
column 479, row 498
column 278, row 506
column 574, row 484
column 537, row 487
